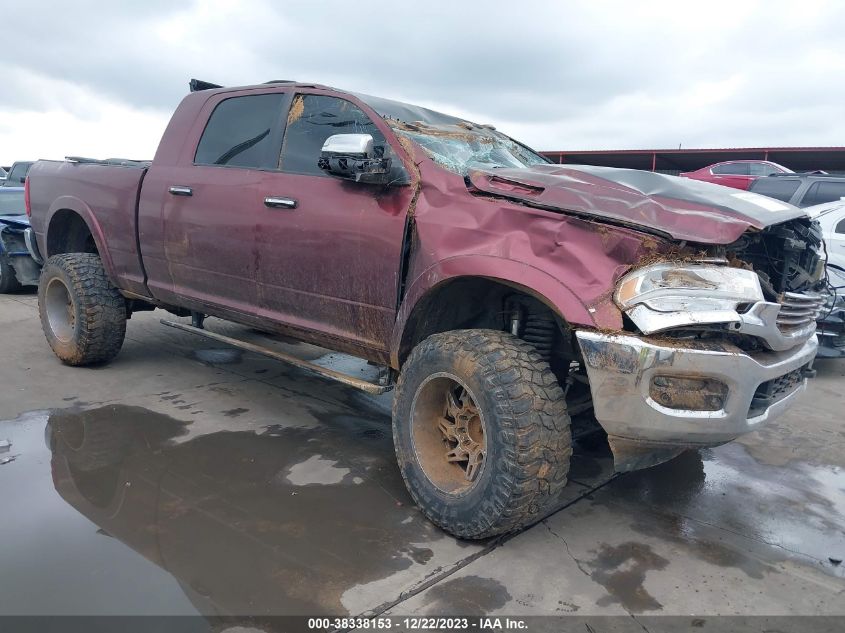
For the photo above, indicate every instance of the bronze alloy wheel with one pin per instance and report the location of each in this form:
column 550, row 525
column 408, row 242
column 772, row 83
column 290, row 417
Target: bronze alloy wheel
column 481, row 432
column 448, row 433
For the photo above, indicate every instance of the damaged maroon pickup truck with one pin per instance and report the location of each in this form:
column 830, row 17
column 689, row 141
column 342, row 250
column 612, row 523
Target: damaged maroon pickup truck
column 514, row 304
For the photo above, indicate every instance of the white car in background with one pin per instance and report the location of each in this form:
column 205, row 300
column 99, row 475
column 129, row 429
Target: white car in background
column 831, row 320
column 831, row 217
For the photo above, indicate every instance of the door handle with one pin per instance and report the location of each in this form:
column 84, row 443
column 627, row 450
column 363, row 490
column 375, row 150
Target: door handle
column 179, row 190
column 277, row 202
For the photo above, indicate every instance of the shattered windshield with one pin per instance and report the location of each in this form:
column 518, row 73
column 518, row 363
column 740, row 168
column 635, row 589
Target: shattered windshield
column 451, row 142
column 465, row 147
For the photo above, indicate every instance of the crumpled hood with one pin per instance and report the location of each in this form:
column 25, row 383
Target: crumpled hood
column 683, row 208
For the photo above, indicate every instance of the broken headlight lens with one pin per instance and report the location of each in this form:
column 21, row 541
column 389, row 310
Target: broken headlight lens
column 667, row 287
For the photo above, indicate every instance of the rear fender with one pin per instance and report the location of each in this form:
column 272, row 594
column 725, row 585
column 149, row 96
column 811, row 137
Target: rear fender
column 72, row 203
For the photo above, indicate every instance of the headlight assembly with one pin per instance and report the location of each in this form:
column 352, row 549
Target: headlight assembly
column 667, row 295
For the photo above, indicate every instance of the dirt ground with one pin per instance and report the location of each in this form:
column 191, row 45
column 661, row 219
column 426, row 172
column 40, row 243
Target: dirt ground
column 189, row 478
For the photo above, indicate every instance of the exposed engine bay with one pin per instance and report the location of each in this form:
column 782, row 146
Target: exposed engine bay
column 786, row 257
column 725, row 334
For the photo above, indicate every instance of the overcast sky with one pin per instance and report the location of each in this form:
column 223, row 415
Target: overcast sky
column 102, row 78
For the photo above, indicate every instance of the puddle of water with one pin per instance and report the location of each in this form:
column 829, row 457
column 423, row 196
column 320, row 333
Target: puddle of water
column 316, row 470
column 56, row 560
column 799, row 507
column 467, row 595
column 108, row 500
column 621, row 570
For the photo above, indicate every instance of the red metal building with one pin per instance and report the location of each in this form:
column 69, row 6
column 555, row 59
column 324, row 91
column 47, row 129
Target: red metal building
column 674, row 161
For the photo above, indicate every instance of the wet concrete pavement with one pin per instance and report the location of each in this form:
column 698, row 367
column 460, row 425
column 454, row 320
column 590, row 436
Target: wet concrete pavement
column 190, row 478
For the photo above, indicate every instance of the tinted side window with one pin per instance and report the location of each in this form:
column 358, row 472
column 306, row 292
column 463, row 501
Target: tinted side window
column 763, row 169
column 821, row 192
column 840, row 226
column 809, row 198
column 314, row 118
column 780, row 188
column 238, row 134
column 732, row 168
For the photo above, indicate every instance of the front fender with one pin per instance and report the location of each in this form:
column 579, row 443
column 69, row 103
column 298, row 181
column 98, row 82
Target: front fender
column 533, row 281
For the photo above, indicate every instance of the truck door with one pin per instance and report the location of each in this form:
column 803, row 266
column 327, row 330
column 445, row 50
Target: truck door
column 329, row 249
column 210, row 204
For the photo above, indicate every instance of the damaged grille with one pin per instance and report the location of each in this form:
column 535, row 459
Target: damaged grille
column 798, row 309
column 773, row 390
column 787, row 258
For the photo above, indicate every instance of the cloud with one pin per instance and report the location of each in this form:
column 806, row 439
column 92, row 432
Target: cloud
column 52, row 118
column 574, row 75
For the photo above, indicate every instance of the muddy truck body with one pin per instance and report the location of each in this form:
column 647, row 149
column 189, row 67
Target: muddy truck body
column 514, row 304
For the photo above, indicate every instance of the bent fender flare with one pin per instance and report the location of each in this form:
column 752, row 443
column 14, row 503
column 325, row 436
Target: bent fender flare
column 519, row 275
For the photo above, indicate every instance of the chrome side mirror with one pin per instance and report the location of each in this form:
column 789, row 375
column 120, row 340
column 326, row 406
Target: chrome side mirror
column 352, row 156
column 360, row 145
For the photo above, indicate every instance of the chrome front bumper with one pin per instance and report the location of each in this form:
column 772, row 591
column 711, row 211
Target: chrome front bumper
column 621, row 369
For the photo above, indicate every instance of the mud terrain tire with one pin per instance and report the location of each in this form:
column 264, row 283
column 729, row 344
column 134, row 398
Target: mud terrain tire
column 82, row 314
column 525, row 425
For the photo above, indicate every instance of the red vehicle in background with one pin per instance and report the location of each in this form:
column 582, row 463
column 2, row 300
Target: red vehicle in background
column 738, row 174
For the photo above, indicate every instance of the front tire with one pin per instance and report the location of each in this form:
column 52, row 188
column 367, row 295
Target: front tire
column 481, row 432
column 82, row 314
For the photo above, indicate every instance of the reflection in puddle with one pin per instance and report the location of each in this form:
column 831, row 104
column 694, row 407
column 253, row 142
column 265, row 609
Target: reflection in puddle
column 247, row 524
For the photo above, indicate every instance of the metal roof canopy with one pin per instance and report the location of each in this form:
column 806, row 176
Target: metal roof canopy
column 796, row 158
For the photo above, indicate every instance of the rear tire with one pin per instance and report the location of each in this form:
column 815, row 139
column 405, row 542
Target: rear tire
column 8, row 278
column 467, row 393
column 82, row 314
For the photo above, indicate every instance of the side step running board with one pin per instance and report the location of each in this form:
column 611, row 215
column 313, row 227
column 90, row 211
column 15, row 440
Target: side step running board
column 351, row 381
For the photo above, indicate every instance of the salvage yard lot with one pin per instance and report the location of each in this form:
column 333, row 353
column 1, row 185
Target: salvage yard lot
column 218, row 482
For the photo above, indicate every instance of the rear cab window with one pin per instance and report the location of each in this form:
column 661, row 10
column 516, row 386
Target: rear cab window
column 240, row 132
column 18, row 174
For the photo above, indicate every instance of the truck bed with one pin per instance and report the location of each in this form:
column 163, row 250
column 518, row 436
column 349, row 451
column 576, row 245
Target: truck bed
column 105, row 193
